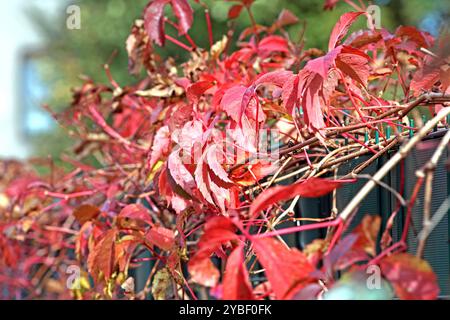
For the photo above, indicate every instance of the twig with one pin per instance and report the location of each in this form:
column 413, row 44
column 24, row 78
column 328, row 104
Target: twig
column 428, row 170
column 437, row 217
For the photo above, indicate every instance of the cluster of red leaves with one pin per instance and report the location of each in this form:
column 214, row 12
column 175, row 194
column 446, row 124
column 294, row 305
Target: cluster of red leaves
column 164, row 182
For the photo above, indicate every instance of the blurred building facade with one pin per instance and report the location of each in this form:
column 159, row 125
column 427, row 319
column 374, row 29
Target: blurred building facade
column 20, row 90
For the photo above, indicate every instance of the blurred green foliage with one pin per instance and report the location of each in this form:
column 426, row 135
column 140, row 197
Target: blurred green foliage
column 105, row 26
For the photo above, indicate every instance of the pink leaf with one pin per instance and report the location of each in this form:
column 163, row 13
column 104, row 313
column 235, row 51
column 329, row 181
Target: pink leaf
column 341, row 28
column 161, row 145
column 286, row 18
column 202, row 179
column 277, row 78
column 184, row 14
column 232, row 101
column 179, row 173
column 221, row 195
column 190, row 135
column 216, row 158
column 313, row 101
column 323, row 64
column 289, row 94
column 154, row 21
column 330, row 4
column 154, row 18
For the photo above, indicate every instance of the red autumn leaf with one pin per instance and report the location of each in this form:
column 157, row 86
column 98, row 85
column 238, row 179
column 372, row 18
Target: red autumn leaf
column 101, row 258
column 161, row 237
column 411, row 277
column 364, row 38
column 289, row 94
column 235, row 11
column 216, row 158
column 341, row 28
column 161, row 145
column 354, row 63
column 276, row 78
column 358, row 246
column 330, row 4
column 82, row 239
column 219, row 222
column 124, row 250
column 154, row 18
column 271, row 44
column 85, row 213
column 203, row 271
column 222, row 196
column 248, row 175
column 202, row 179
column 236, row 284
column 422, row 39
column 232, row 101
column 190, row 136
column 236, row 100
column 179, row 115
column 322, row 65
column 163, row 184
column 184, row 182
column 367, row 232
column 286, row 269
column 184, row 13
column 342, row 255
column 211, row 178
column 250, row 107
column 218, row 230
column 316, row 82
column 134, row 216
column 195, row 90
column 445, row 77
column 286, row 18
column 351, row 258
column 424, row 78
column 313, row 90
column 214, row 237
column 154, row 21
column 313, row 187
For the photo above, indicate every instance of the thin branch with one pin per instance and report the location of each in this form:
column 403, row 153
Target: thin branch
column 428, row 170
column 404, row 150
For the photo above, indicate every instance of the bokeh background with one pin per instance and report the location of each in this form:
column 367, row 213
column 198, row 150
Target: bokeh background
column 41, row 60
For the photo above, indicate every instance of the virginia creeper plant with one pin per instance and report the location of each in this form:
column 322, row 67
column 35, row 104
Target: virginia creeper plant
column 189, row 162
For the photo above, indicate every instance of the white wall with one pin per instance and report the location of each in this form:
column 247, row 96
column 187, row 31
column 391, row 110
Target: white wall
column 16, row 33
